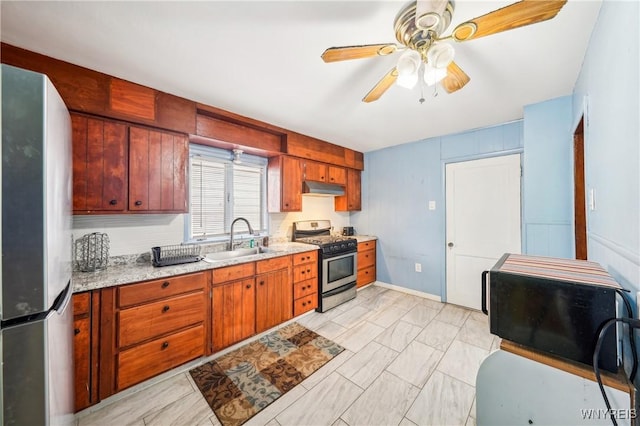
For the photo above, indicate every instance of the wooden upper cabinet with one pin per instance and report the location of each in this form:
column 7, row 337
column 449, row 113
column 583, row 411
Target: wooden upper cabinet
column 337, row 175
column 284, row 193
column 99, row 164
column 157, row 170
column 315, row 171
column 351, row 201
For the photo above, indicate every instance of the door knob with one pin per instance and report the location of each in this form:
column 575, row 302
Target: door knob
column 450, row 245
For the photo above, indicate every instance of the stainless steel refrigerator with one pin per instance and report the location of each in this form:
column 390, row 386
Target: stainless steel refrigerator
column 36, row 328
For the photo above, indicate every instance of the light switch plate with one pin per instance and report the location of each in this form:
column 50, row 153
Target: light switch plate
column 432, row 205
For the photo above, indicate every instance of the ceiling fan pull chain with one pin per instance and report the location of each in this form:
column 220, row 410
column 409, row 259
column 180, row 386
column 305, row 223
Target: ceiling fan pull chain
column 421, row 92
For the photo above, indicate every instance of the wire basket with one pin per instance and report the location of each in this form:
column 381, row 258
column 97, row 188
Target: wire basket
column 92, row 252
column 175, row 254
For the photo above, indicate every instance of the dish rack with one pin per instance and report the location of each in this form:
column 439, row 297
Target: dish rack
column 175, row 254
column 92, row 252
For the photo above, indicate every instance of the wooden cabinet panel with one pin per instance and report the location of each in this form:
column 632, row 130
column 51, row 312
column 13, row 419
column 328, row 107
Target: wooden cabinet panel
column 305, row 304
column 305, row 272
column 273, row 264
column 82, row 362
column 315, row 171
column 133, row 294
column 305, row 288
column 149, row 359
column 132, row 99
column 306, row 257
column 366, row 276
column 274, row 296
column 304, row 146
column 233, row 312
column 237, row 134
column 99, row 164
column 366, row 263
column 157, row 170
column 337, row 175
column 231, row 273
column 284, row 193
column 81, row 303
column 153, row 319
column 351, row 201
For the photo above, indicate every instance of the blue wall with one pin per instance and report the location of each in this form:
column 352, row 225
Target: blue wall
column 547, row 218
column 397, row 185
column 607, row 93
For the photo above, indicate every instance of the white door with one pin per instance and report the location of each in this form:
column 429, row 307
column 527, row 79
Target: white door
column 483, row 222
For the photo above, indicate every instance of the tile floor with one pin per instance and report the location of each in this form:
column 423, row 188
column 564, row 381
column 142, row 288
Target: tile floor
column 408, row 361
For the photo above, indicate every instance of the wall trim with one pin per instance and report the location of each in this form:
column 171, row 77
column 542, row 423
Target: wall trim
column 615, row 247
column 409, row 291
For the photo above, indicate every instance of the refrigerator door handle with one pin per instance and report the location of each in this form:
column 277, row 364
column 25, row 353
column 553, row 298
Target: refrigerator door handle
column 484, row 292
column 63, row 300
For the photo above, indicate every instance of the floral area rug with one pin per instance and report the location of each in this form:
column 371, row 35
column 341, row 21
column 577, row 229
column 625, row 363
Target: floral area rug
column 241, row 383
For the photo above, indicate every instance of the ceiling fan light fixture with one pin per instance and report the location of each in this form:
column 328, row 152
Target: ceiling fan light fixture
column 440, row 55
column 408, row 63
column 433, row 75
column 408, row 81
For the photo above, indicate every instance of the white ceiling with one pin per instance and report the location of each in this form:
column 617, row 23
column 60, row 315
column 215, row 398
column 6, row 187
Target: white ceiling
column 262, row 59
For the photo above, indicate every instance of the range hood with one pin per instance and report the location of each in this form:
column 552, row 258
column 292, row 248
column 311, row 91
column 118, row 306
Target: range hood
column 321, row 188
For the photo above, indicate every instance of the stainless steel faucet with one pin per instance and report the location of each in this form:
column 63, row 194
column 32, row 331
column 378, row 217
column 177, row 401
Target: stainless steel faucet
column 232, row 224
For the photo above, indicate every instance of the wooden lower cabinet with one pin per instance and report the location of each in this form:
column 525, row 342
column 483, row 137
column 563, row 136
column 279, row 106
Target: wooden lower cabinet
column 366, row 263
column 85, row 348
column 274, row 293
column 305, row 282
column 233, row 309
column 151, row 327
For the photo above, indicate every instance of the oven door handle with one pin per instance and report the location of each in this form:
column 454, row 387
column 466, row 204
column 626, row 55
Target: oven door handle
column 338, row 256
column 484, row 292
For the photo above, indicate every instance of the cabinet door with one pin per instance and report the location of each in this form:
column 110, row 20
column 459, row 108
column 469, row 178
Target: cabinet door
column 274, row 299
column 291, row 185
column 99, row 164
column 337, row 175
column 352, row 199
column 315, row 171
column 82, row 362
column 157, row 171
column 234, row 312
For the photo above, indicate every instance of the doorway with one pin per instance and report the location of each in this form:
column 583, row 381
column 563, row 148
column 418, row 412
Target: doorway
column 579, row 190
column 483, row 222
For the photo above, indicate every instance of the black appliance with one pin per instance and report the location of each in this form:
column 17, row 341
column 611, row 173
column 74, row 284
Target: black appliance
column 337, row 269
column 348, row 230
column 552, row 305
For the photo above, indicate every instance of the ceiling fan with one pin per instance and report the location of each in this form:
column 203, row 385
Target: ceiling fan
column 419, row 28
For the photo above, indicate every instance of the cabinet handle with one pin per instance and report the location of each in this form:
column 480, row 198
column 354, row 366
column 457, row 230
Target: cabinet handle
column 286, row 204
column 331, row 178
column 165, row 308
column 302, row 272
column 248, row 285
column 165, row 284
column 308, row 270
column 165, row 345
column 138, row 203
column 308, row 257
column 113, row 202
column 304, row 303
column 261, row 282
column 76, row 331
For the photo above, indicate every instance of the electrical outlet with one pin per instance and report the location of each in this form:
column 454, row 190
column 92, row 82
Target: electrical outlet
column 432, row 205
column 418, row 267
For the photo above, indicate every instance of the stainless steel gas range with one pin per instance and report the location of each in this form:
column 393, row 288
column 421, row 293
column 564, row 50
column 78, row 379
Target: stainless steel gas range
column 337, row 269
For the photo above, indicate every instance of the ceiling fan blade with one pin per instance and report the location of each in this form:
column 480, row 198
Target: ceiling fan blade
column 455, row 79
column 525, row 12
column 382, row 86
column 334, row 54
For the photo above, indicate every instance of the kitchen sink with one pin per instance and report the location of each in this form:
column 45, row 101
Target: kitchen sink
column 233, row 254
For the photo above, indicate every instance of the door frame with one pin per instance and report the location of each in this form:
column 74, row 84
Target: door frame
column 579, row 193
column 443, row 171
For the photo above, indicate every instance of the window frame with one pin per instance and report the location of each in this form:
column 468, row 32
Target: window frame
column 225, row 157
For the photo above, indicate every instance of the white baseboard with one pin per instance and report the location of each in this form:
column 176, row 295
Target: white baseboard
column 409, row 291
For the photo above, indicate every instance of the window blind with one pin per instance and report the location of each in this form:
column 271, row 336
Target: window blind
column 207, row 198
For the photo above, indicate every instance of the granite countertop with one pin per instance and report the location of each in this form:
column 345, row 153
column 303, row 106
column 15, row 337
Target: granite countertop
column 363, row 238
column 134, row 272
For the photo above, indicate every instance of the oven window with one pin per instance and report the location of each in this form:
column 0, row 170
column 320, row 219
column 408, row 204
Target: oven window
column 340, row 268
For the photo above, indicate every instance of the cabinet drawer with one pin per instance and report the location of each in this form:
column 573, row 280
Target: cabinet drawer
column 305, row 288
column 236, row 272
column 304, row 304
column 366, row 276
column 154, row 319
column 305, row 272
column 149, row 359
column 366, row 245
column 366, row 259
column 81, row 303
column 134, row 294
column 274, row 264
column 306, row 257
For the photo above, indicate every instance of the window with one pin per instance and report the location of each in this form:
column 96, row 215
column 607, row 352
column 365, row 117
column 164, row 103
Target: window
column 221, row 190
